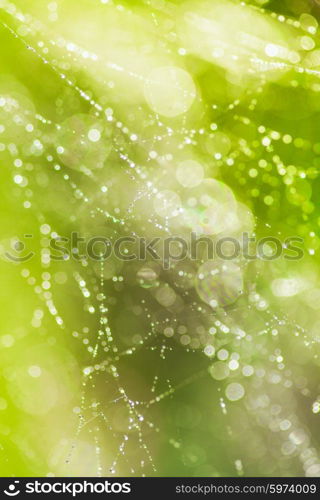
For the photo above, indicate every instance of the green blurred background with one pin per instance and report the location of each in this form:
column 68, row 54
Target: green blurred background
column 158, row 118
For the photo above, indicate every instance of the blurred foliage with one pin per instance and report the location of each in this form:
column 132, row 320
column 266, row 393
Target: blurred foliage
column 158, row 118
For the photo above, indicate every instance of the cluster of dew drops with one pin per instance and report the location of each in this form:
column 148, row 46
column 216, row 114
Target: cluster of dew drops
column 203, row 307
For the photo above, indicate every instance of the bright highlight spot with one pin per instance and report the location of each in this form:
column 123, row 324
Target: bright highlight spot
column 169, row 91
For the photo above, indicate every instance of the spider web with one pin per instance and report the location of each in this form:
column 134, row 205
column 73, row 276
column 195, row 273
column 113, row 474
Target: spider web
column 146, row 337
